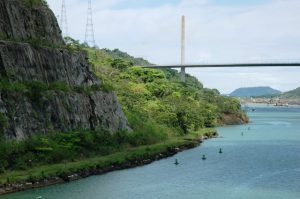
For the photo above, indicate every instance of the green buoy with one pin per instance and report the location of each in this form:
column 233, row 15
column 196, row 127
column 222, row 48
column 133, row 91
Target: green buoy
column 203, row 157
column 220, row 151
column 176, row 162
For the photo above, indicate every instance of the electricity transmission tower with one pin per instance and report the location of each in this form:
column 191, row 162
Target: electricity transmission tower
column 63, row 19
column 89, row 32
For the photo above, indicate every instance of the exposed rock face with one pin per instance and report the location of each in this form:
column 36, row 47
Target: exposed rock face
column 28, row 112
column 57, row 111
column 23, row 22
column 23, row 62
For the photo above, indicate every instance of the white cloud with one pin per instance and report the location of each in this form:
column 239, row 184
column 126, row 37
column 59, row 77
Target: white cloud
column 214, row 33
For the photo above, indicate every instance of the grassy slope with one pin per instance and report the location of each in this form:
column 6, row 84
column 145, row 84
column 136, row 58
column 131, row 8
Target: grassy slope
column 129, row 154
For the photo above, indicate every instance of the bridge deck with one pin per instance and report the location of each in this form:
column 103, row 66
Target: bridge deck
column 226, row 65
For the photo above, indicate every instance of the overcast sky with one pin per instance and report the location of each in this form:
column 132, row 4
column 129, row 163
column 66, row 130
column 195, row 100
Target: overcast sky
column 217, row 31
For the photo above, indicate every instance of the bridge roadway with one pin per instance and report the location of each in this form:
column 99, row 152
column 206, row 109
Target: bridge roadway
column 220, row 65
column 229, row 65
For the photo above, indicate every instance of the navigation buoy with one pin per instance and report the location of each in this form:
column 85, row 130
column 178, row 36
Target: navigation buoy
column 176, row 162
column 203, row 157
column 220, row 151
column 242, row 133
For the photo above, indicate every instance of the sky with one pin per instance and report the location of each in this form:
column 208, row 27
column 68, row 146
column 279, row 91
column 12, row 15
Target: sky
column 217, row 31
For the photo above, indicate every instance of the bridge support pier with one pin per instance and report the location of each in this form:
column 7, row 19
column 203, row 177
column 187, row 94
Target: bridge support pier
column 182, row 74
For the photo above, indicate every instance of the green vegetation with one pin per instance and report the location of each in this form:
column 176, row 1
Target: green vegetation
column 158, row 95
column 120, row 156
column 35, row 2
column 39, row 87
column 293, row 94
column 162, row 112
column 37, row 42
column 59, row 147
column 289, row 95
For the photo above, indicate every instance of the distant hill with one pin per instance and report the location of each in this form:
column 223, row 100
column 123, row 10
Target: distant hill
column 293, row 94
column 254, row 91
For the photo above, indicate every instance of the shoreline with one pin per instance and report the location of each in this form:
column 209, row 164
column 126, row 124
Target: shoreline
column 168, row 151
column 282, row 104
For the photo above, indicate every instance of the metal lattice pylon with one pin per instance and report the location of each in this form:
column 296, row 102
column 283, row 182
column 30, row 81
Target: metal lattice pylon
column 63, row 19
column 89, row 32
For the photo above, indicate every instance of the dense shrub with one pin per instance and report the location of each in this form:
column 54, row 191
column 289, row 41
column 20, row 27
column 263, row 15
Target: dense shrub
column 159, row 94
column 59, row 147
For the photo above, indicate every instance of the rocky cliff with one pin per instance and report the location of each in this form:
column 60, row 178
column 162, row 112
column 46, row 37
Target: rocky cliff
column 28, row 20
column 44, row 87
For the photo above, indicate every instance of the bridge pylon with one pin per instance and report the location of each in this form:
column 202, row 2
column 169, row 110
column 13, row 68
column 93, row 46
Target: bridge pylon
column 182, row 72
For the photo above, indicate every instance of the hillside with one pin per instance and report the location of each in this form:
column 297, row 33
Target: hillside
column 293, row 94
column 159, row 94
column 62, row 103
column 163, row 113
column 254, row 92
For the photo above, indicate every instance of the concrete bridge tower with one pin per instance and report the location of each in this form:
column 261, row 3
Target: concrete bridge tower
column 182, row 73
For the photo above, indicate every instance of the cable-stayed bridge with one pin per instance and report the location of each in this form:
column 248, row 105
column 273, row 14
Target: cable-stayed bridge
column 224, row 65
column 231, row 65
column 183, row 65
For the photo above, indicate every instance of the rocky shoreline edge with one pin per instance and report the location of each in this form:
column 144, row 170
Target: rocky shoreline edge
column 22, row 186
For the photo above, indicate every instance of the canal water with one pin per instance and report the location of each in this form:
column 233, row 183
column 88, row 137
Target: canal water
column 260, row 160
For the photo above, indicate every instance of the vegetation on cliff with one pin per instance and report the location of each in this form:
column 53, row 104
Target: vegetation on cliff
column 35, row 2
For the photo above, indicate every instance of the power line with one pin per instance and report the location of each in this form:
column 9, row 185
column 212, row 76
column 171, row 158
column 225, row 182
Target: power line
column 63, row 19
column 89, row 32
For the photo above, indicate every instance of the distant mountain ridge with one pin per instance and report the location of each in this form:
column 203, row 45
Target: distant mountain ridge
column 254, row 91
column 293, row 94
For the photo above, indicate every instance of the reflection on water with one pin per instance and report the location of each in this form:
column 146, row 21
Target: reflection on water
column 260, row 160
